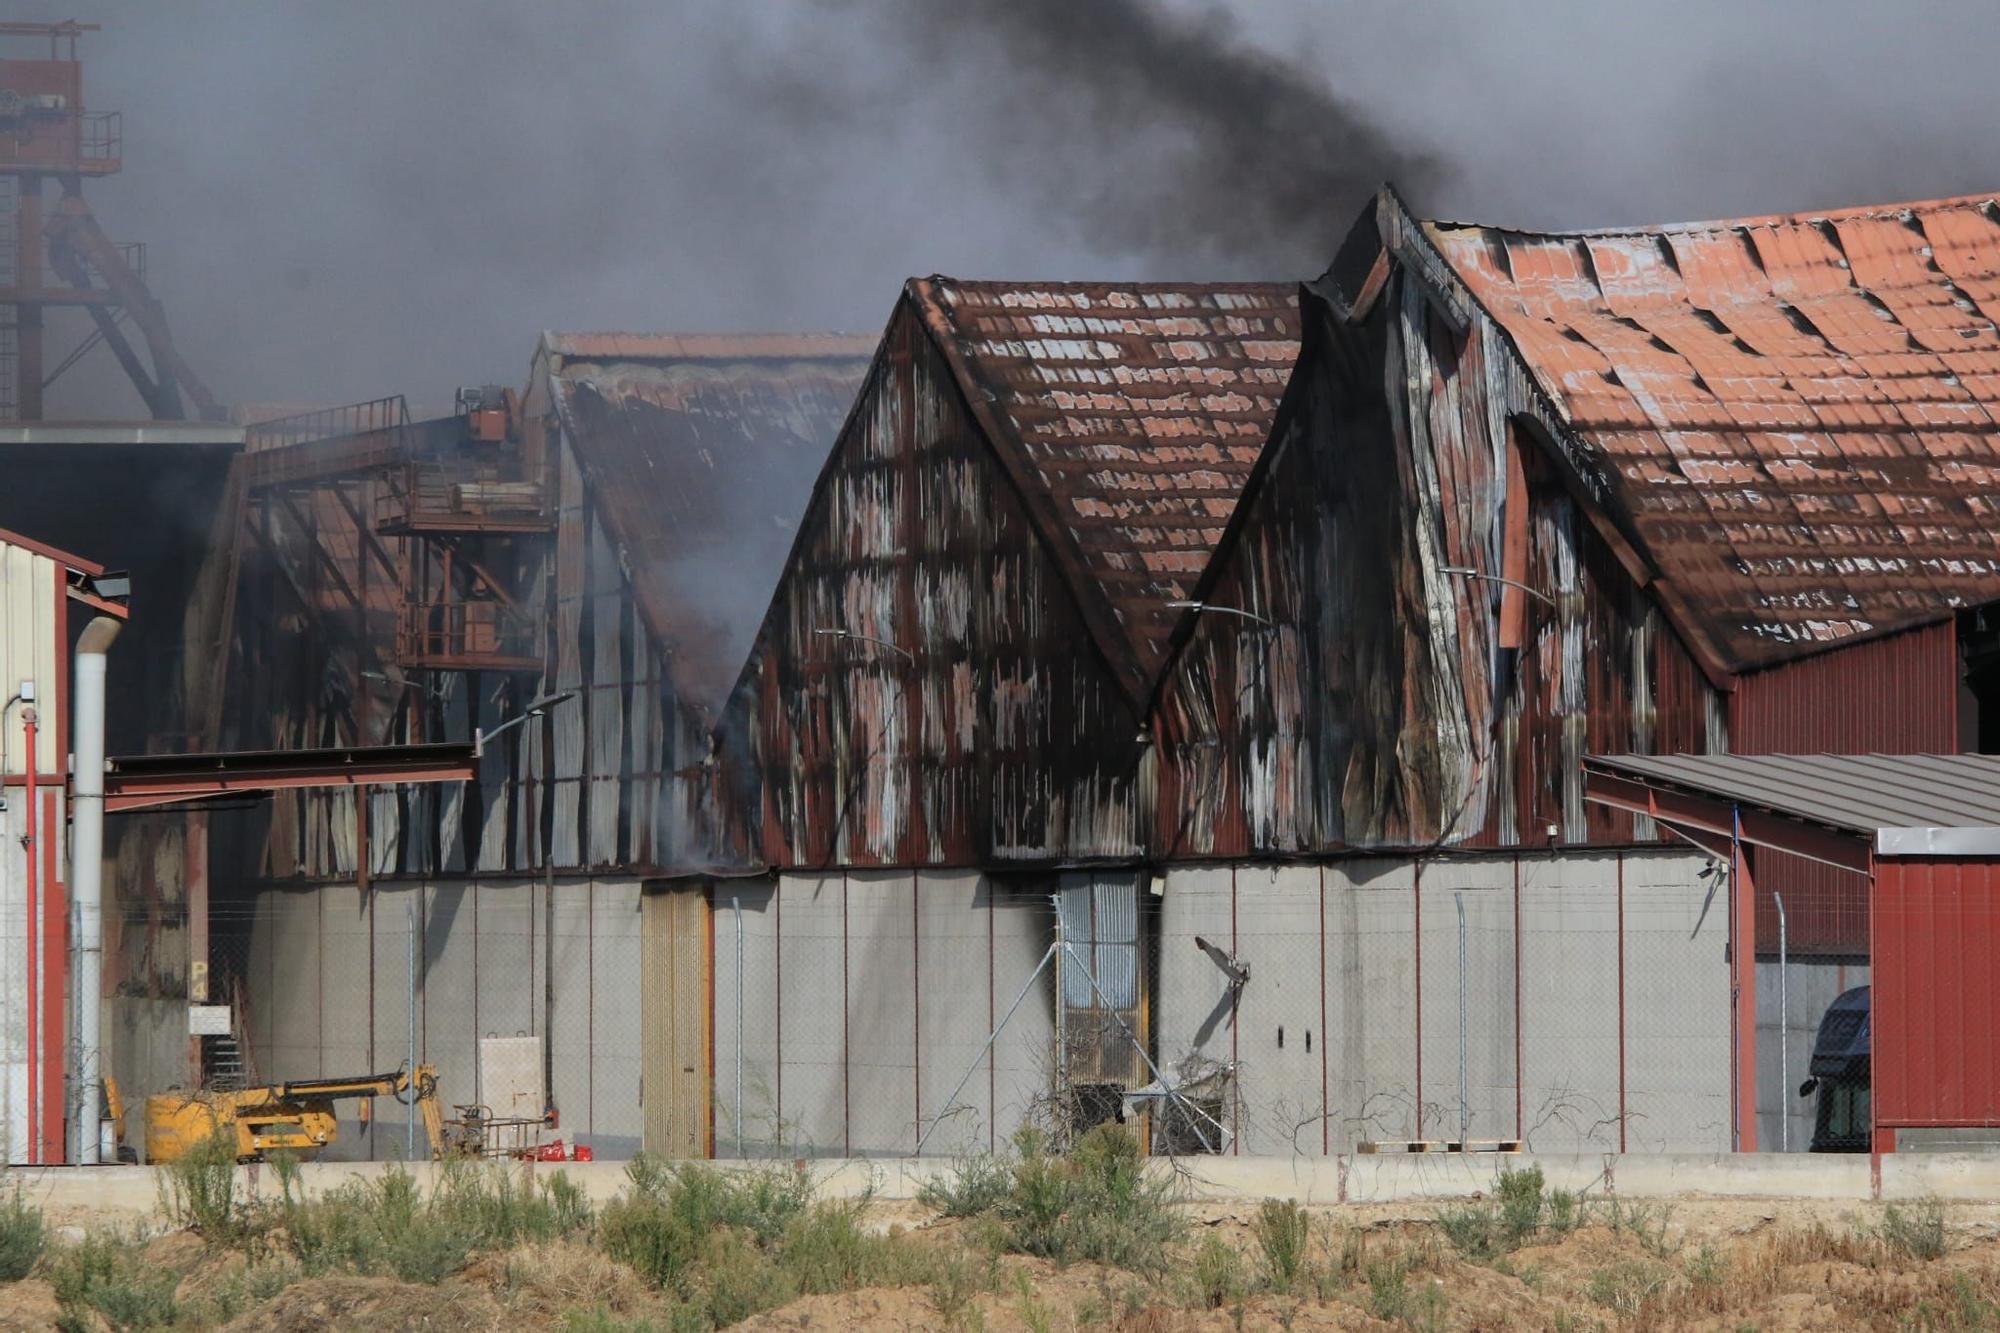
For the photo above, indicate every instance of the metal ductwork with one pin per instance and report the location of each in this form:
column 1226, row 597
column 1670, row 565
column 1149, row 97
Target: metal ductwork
column 87, row 876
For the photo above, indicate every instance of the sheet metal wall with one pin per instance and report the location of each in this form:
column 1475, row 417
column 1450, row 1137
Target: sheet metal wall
column 863, row 997
column 1597, row 1014
column 33, row 646
column 1375, row 708
column 1001, row 737
column 329, row 993
column 1893, row 695
column 1934, row 990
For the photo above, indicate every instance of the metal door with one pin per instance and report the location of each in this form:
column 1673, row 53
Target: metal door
column 675, row 1020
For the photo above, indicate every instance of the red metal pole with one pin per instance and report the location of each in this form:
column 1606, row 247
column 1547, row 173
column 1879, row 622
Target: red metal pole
column 1517, row 995
column 34, row 935
column 1325, row 1121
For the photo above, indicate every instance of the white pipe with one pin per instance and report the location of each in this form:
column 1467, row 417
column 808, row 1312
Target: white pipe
column 86, row 873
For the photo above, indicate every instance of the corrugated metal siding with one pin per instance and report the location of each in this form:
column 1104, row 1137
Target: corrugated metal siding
column 1893, row 695
column 1001, row 737
column 30, row 650
column 627, row 791
column 1372, row 707
column 1935, row 1048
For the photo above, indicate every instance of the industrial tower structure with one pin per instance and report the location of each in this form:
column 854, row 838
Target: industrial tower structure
column 53, row 249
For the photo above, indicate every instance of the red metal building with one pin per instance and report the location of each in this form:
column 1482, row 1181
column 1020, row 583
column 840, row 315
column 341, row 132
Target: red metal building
column 1919, row 835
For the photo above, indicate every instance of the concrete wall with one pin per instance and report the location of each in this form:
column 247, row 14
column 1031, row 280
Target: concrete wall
column 1811, row 985
column 1349, row 1027
column 330, row 984
column 865, row 998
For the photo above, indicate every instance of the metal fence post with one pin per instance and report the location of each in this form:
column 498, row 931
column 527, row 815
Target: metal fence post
column 410, row 1124
column 736, row 907
column 1784, row 1035
column 1464, row 1118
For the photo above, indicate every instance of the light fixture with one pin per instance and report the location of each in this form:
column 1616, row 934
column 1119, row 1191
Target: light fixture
column 1184, row 605
column 535, row 708
column 1466, row 572
column 867, row 638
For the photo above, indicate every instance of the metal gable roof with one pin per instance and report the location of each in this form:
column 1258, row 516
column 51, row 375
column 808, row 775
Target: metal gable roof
column 1907, row 804
column 1800, row 415
column 1130, row 416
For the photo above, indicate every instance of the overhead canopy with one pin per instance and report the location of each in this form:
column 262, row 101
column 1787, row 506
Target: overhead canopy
column 1892, row 804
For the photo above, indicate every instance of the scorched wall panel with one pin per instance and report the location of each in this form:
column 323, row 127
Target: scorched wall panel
column 923, row 691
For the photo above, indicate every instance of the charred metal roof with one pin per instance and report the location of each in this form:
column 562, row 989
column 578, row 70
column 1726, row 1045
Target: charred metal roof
column 1129, row 415
column 700, row 452
column 1799, row 416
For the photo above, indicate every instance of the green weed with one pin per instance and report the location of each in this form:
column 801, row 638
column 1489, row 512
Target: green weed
column 22, row 1236
column 1284, row 1232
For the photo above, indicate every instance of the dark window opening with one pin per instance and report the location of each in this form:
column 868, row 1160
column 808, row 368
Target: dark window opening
column 1979, row 681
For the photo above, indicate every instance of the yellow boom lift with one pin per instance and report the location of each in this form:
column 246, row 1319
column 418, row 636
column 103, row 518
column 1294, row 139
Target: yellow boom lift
column 297, row 1116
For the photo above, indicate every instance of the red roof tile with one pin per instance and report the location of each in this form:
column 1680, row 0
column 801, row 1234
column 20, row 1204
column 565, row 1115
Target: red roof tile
column 1801, row 414
column 1130, row 415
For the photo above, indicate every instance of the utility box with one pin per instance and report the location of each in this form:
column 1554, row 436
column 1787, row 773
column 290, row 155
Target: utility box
column 510, row 1078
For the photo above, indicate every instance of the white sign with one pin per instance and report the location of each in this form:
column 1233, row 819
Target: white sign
column 208, row 1020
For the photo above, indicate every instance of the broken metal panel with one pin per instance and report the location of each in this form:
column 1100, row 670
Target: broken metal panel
column 1371, row 706
column 924, row 689
column 699, row 452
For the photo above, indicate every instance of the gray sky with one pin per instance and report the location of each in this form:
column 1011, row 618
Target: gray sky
column 344, row 200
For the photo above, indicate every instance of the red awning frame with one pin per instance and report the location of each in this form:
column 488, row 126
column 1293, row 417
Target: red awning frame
column 140, row 782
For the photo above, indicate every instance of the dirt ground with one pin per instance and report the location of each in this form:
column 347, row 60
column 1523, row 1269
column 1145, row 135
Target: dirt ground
column 1712, row 1265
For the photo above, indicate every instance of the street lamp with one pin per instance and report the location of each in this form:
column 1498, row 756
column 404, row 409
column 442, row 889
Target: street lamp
column 866, row 638
column 535, row 708
column 1466, row 572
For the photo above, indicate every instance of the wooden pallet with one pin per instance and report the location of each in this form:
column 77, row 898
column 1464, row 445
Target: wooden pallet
column 1389, row 1146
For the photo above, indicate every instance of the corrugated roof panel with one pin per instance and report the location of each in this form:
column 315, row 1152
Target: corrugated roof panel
column 1865, row 794
column 1825, row 389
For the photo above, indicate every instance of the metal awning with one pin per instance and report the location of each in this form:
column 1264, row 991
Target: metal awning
column 1830, row 807
column 138, row 781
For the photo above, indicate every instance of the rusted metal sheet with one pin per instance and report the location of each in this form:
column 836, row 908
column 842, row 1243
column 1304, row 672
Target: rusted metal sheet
column 1370, row 702
column 953, row 668
column 1128, row 417
column 1790, row 413
column 700, row 452
column 1893, row 695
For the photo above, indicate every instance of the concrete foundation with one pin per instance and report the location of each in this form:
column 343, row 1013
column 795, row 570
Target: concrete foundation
column 1323, row 1181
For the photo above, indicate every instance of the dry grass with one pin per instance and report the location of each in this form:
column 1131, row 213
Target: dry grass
column 691, row 1248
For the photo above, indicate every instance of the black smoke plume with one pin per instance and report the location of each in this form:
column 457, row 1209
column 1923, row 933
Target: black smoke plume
column 1159, row 133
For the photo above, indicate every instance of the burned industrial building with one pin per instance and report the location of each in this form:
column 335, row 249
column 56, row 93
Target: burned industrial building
column 1426, row 706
